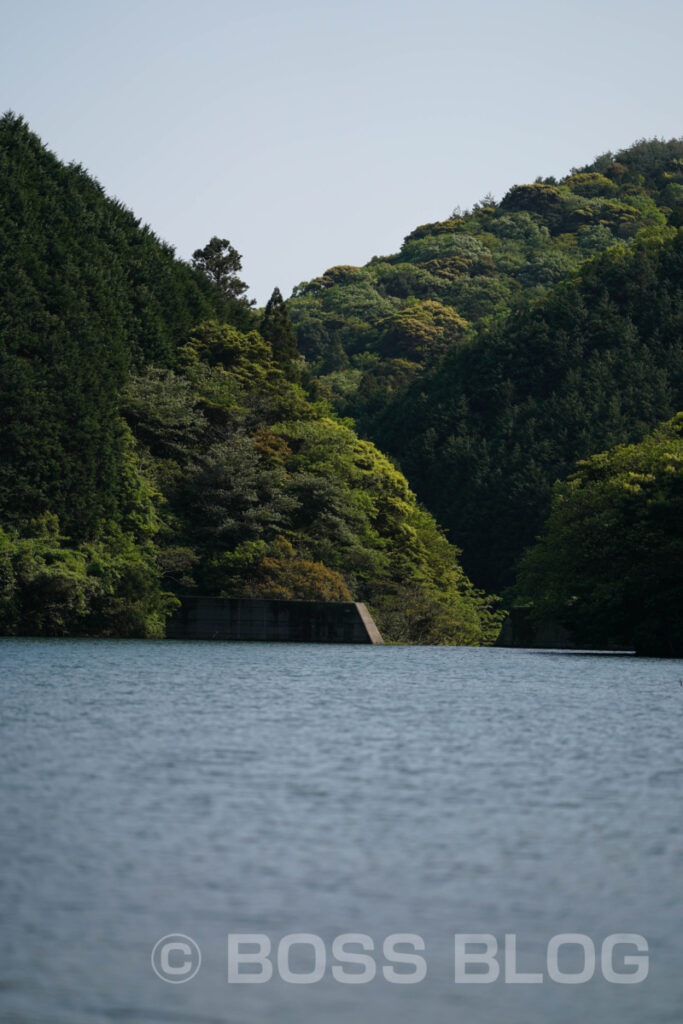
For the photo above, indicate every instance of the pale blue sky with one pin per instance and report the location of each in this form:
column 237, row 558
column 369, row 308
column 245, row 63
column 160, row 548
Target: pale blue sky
column 312, row 134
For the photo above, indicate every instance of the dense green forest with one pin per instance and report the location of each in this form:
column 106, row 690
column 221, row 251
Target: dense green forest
column 504, row 343
column 160, row 436
column 597, row 362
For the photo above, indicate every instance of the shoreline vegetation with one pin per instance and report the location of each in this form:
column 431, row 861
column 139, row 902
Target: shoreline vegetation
column 161, row 436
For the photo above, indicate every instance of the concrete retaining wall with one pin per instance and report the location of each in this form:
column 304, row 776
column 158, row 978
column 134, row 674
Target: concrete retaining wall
column 229, row 618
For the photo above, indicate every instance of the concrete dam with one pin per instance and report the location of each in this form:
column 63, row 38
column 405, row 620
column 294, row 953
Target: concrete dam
column 230, row 618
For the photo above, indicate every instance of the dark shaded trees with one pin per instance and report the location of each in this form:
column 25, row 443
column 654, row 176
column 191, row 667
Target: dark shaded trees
column 86, row 294
column 483, row 437
column 609, row 564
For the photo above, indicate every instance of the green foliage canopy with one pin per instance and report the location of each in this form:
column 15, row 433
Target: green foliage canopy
column 595, row 363
column 609, row 564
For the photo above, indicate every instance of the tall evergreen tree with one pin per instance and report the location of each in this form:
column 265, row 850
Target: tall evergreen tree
column 221, row 262
column 277, row 328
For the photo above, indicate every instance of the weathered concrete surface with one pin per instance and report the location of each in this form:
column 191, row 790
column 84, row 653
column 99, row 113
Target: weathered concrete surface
column 230, row 618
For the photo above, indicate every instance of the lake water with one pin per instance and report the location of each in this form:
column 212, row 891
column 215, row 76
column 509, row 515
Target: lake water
column 208, row 789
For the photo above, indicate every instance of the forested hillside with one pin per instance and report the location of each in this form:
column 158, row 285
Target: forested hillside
column 503, row 343
column 160, row 436
column 156, row 438
column 597, row 362
column 87, row 293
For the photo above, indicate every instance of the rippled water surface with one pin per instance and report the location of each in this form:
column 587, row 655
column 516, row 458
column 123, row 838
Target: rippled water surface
column 151, row 788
